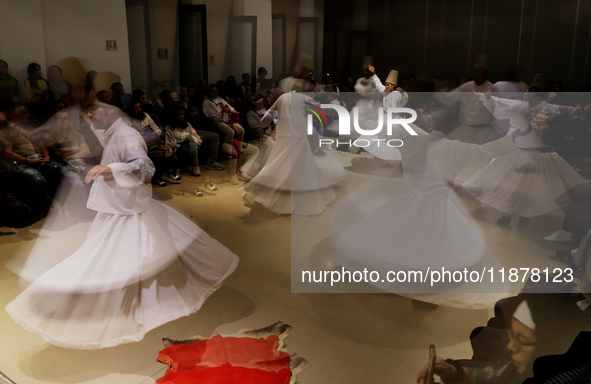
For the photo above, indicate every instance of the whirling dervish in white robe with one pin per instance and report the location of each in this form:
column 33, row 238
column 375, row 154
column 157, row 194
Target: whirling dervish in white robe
column 526, row 182
column 423, row 229
column 293, row 180
column 142, row 264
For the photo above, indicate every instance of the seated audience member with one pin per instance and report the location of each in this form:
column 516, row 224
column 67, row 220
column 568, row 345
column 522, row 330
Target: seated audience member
column 541, row 324
column 56, row 81
column 25, row 186
column 119, row 98
column 192, row 94
column 152, row 134
column 218, row 110
column 8, row 84
column 154, row 97
column 168, row 105
column 184, row 142
column 166, row 86
column 31, row 157
column 453, row 83
column 103, row 96
column 260, row 129
column 35, row 84
column 245, row 86
column 232, row 89
column 265, row 84
column 140, row 96
column 65, row 145
column 189, row 104
column 221, row 86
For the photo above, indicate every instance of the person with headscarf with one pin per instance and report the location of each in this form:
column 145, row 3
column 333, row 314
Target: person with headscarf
column 35, row 84
column 56, row 81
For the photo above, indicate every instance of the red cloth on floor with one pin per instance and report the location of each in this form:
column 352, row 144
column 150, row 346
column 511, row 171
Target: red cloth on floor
column 258, row 360
column 227, row 374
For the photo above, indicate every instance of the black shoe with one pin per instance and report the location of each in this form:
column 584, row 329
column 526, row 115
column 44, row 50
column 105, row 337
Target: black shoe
column 173, row 175
column 159, row 182
column 504, row 222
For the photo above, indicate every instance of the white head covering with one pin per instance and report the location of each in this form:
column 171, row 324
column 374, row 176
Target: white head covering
column 523, row 314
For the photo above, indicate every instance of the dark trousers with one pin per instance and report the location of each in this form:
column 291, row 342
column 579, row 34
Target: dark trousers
column 162, row 163
column 211, row 145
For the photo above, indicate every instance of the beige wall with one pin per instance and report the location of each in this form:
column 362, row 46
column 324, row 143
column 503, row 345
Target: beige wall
column 262, row 9
column 291, row 9
column 218, row 13
column 47, row 31
column 22, row 36
column 80, row 28
column 163, row 30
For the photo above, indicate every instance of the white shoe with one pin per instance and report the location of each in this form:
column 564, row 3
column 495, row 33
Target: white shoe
column 560, row 236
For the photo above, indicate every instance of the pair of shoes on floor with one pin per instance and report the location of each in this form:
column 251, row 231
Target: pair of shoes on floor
column 159, row 182
column 215, row 166
column 173, row 175
column 196, row 171
column 243, row 176
column 560, row 236
column 209, row 184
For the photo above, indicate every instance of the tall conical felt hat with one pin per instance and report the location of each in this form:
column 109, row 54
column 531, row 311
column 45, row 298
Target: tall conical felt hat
column 305, row 71
column 540, row 81
column 367, row 61
column 73, row 70
column 482, row 61
column 392, row 77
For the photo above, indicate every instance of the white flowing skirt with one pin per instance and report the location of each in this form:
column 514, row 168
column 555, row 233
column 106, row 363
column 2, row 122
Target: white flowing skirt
column 295, row 181
column 414, row 232
column 132, row 274
column 523, row 183
column 481, row 134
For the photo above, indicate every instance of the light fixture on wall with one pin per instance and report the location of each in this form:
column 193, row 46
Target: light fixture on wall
column 162, row 53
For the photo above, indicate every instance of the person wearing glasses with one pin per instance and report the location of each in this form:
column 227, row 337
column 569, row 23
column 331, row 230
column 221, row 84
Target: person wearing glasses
column 542, row 324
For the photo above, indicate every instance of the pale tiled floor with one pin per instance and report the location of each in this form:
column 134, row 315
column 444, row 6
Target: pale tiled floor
column 347, row 338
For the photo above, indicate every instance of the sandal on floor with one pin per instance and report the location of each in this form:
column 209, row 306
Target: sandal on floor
column 198, row 192
column 209, row 185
